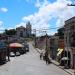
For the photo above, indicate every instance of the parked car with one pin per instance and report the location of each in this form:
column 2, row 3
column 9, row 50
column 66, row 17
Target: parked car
column 12, row 54
column 27, row 47
column 17, row 53
column 22, row 51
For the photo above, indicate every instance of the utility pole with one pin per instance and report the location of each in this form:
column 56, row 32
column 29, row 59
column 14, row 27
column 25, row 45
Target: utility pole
column 46, row 44
column 46, row 41
column 35, row 36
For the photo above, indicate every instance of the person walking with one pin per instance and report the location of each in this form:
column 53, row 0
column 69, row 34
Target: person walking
column 8, row 53
column 47, row 58
column 41, row 55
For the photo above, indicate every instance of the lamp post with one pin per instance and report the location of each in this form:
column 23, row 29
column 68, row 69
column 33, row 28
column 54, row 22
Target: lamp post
column 35, row 36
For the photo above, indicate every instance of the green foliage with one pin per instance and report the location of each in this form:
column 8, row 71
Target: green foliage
column 10, row 32
column 61, row 33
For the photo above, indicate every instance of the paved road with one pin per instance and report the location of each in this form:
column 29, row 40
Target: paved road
column 30, row 64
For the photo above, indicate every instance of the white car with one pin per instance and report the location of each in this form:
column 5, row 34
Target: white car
column 12, row 54
column 17, row 53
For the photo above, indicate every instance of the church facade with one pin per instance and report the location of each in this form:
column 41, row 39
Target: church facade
column 24, row 32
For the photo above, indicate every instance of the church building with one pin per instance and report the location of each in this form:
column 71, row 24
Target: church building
column 24, row 32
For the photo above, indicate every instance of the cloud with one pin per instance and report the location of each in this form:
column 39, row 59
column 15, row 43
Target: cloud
column 47, row 11
column 1, row 23
column 3, row 9
column 21, row 24
column 41, row 3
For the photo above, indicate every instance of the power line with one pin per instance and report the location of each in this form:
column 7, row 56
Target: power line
column 70, row 4
column 46, row 29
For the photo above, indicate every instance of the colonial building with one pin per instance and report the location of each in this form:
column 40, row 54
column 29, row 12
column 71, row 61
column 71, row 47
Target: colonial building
column 24, row 32
column 21, row 31
column 69, row 39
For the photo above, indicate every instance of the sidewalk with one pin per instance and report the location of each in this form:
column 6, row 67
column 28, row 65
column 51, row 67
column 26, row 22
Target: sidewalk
column 70, row 71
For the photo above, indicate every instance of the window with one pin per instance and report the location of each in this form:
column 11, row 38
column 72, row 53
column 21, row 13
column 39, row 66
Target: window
column 21, row 34
column 72, row 28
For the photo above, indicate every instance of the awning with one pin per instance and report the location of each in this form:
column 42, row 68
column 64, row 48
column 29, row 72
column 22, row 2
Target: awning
column 59, row 51
column 14, row 45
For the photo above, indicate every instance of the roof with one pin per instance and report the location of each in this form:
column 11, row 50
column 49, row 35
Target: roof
column 21, row 27
column 70, row 20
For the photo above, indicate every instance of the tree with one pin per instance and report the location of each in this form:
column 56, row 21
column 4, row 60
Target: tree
column 61, row 33
column 10, row 32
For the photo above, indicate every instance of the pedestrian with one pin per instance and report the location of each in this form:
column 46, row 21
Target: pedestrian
column 41, row 55
column 8, row 53
column 47, row 58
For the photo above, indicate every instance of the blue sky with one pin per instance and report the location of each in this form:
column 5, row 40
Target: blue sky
column 41, row 13
column 16, row 10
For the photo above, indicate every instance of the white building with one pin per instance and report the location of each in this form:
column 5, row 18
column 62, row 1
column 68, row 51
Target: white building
column 21, row 31
column 28, row 29
column 24, row 32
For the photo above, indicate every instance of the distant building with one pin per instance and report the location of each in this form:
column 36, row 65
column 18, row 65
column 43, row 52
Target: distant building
column 42, row 41
column 28, row 29
column 53, row 46
column 69, row 38
column 21, row 31
column 24, row 32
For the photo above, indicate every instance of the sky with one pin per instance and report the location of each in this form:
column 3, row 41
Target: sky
column 42, row 14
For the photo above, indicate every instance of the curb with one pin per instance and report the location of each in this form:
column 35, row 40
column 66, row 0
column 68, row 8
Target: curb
column 62, row 68
column 37, row 50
